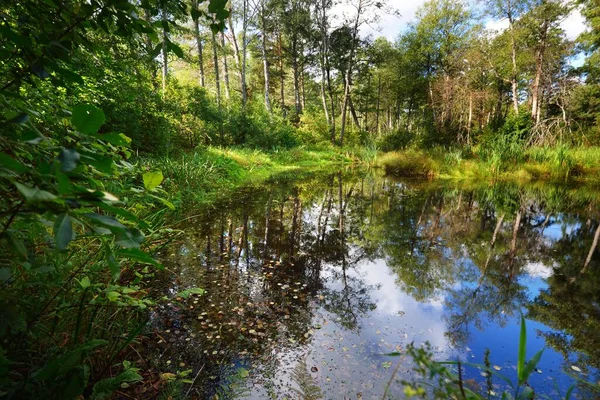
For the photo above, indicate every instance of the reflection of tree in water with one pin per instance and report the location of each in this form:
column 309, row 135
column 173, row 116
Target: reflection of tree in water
column 346, row 296
column 261, row 260
column 269, row 254
column 570, row 303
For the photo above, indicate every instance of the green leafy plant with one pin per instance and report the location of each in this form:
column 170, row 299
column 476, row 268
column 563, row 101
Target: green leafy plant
column 445, row 380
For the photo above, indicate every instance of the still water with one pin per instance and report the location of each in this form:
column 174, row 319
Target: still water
column 311, row 282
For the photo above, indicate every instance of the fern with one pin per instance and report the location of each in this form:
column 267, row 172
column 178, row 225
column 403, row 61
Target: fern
column 236, row 387
column 307, row 387
column 104, row 389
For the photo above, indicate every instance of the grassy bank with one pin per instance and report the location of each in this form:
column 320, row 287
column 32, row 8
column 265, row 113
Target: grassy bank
column 200, row 177
column 551, row 164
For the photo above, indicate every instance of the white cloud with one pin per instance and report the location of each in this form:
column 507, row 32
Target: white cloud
column 573, row 24
column 389, row 26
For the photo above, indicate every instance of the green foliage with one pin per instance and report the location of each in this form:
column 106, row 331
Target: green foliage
column 394, row 141
column 445, row 383
column 104, row 388
column 409, row 163
column 307, row 387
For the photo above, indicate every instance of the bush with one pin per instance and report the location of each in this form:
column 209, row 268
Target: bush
column 395, row 141
column 409, row 163
column 313, row 128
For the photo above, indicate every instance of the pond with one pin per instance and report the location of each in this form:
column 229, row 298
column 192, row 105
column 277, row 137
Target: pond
column 310, row 283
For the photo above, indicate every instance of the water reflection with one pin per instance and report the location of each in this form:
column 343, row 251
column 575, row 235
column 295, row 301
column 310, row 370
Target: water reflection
column 309, row 283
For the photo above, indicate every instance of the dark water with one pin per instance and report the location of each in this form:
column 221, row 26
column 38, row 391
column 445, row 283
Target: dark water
column 310, row 282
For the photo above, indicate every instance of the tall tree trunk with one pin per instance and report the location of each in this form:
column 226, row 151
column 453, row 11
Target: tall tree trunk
column 282, row 74
column 323, row 45
column 377, row 126
column 225, row 67
column 264, row 56
column 302, row 87
column 296, row 72
column 236, row 50
column 513, row 78
column 331, row 100
column 216, row 65
column 353, row 112
column 244, row 52
column 150, row 49
column 539, row 62
column 165, row 66
column 588, row 259
column 198, row 45
column 349, row 70
column 470, row 118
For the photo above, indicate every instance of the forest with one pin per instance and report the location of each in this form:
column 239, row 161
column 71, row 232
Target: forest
column 122, row 119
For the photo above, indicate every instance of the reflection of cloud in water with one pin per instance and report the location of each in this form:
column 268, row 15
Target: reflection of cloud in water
column 396, row 309
column 538, row 270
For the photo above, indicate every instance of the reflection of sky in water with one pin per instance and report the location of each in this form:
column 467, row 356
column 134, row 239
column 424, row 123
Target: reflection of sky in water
column 345, row 349
column 351, row 361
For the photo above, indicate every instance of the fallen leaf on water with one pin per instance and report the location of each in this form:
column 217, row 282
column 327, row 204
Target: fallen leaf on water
column 386, row 364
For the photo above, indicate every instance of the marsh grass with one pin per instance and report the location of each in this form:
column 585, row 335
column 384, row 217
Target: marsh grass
column 200, row 176
column 559, row 164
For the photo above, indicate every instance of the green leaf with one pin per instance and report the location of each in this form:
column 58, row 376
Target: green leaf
column 87, row 118
column 20, row 119
column 156, row 50
column 16, row 244
column 104, row 388
column 188, row 292
column 215, row 6
column 121, row 213
column 105, row 220
column 138, row 255
column 9, row 163
column 31, row 137
column 35, row 194
column 62, row 183
column 175, row 49
column 61, row 365
column 68, row 159
column 152, row 179
column 129, row 238
column 522, row 351
column 569, row 392
column 113, row 266
column 85, row 282
column 113, row 296
column 63, row 231
column 526, row 393
column 530, row 366
column 195, row 14
column 118, row 139
column 166, row 202
column 69, row 76
column 101, row 163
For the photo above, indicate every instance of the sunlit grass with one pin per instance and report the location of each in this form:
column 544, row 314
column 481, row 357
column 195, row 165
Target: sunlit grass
column 552, row 164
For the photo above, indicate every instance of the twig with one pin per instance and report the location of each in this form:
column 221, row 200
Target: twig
column 387, row 387
column 194, row 381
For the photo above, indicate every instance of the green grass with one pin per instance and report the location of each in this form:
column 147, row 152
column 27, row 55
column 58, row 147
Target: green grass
column 557, row 164
column 202, row 176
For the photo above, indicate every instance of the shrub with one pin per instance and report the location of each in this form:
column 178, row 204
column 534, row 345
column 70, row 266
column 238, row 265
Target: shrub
column 395, row 141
